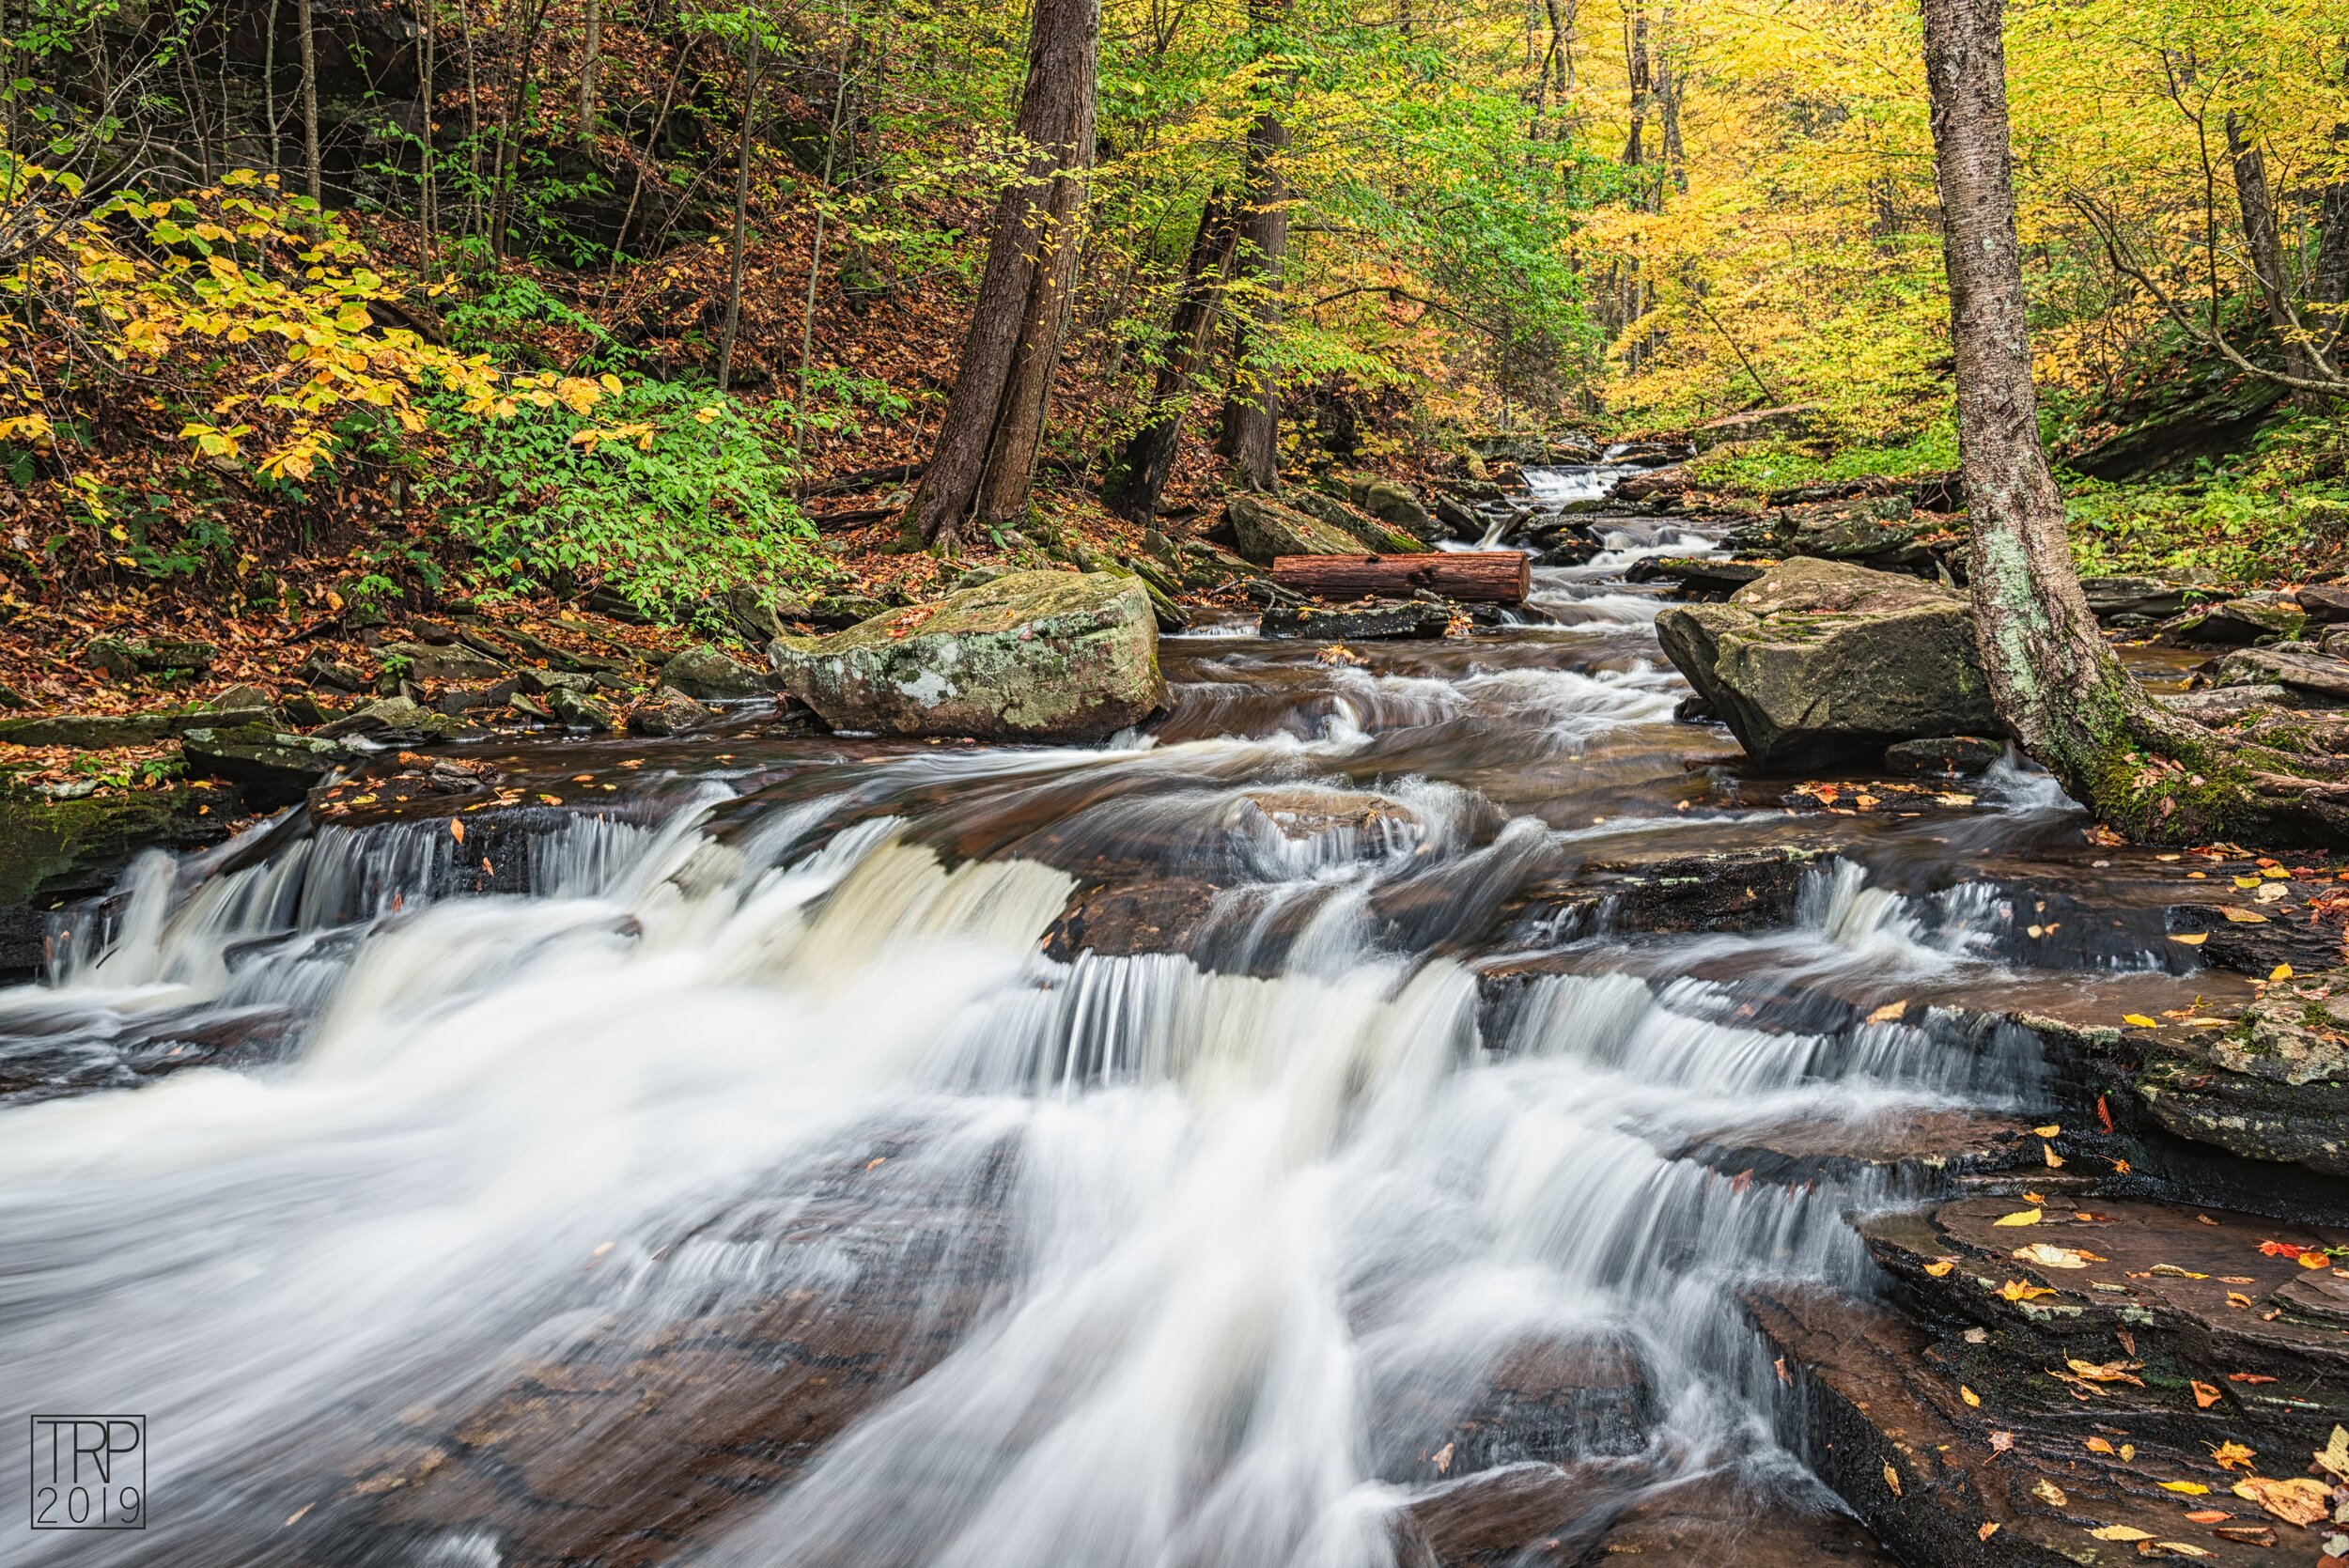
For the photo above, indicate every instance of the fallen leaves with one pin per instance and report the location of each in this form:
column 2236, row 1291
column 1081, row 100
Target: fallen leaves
column 1892, row 1480
column 1972, row 1399
column 2017, row 1289
column 2184, row 1488
column 2205, row 1396
column 2052, row 1495
column 2122, row 1533
column 2228, row 1455
column 2334, row 1456
column 2297, row 1501
column 1891, row 1012
column 2022, row 1216
column 2110, row 1371
column 2049, row 1256
column 1987, row 1530
column 2189, row 939
column 2242, row 917
column 1940, row 1268
column 2138, row 1021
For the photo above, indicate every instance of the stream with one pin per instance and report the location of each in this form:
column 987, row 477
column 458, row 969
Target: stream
column 1235, row 1146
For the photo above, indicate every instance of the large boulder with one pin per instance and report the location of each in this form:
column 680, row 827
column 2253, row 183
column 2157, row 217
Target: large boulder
column 1820, row 662
column 2273, row 1084
column 272, row 768
column 1265, row 530
column 1863, row 528
column 1792, row 422
column 1374, row 534
column 1395, row 504
column 1034, row 655
column 711, row 674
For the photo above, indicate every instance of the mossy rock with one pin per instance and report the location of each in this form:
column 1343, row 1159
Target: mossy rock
column 57, row 852
column 1266, row 530
column 2273, row 1086
column 1373, row 532
column 1034, row 655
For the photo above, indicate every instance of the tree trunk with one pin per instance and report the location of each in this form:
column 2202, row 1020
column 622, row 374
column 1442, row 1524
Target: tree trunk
column 1138, row 478
column 2053, row 679
column 305, row 23
column 1479, row 576
column 741, row 228
column 2264, row 243
column 986, row 450
column 592, row 46
column 1252, row 412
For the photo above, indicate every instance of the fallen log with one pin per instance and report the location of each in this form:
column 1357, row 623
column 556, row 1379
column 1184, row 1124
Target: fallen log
column 1482, row 576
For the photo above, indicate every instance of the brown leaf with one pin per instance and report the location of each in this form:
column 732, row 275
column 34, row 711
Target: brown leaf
column 2205, row 1396
column 2297, row 1502
column 2054, row 1496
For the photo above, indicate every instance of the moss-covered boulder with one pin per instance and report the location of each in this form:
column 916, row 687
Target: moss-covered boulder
column 272, row 769
column 56, row 852
column 2272, row 1085
column 1820, row 662
column 1034, row 655
column 1265, row 530
column 1374, row 534
column 711, row 674
column 1859, row 529
column 1395, row 504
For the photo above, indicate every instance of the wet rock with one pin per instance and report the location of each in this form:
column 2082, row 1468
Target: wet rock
column 1654, row 484
column 2221, row 704
column 1716, row 1522
column 752, row 610
column 1793, row 422
column 1868, row 528
column 1702, row 577
column 1819, row 662
column 1371, row 532
column 1036, row 656
column 1946, row 754
column 52, row 853
column 669, row 711
column 1305, row 811
column 1546, row 1400
column 2257, row 937
column 321, row 670
column 1395, row 505
column 2273, row 1085
column 2317, row 675
column 837, row 611
column 1265, row 530
column 2324, row 603
column 1354, row 625
column 399, row 720
column 1909, row 1151
column 1455, row 519
column 2232, row 623
column 708, row 673
column 582, row 712
column 429, row 662
column 1122, row 919
column 97, row 731
column 271, row 767
column 1733, row 889
column 2112, row 598
column 1529, row 1515
column 125, row 657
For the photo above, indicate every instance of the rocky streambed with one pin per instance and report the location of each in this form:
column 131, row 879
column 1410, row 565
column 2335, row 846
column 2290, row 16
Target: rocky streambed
column 1412, row 1101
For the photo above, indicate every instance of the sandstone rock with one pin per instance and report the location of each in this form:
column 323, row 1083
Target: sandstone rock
column 669, row 711
column 1861, row 529
column 394, row 720
column 2318, row 675
column 125, row 657
column 2110, row 597
column 1955, row 753
column 1355, row 624
column 1395, row 505
column 708, row 673
column 272, row 768
column 2274, row 1085
column 1818, row 661
column 2325, row 602
column 1266, row 529
column 1036, row 656
column 321, row 670
column 437, row 662
column 1374, row 534
column 2233, row 622
column 1699, row 575
column 835, row 611
column 55, row 852
column 582, row 712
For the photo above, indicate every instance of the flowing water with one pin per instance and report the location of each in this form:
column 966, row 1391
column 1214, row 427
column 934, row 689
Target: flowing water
column 750, row 1160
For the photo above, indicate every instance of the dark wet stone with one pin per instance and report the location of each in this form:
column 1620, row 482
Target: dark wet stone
column 2283, row 934
column 2325, row 602
column 394, row 720
column 429, row 662
column 669, row 711
column 97, row 731
column 1354, row 625
column 1126, row 918
column 1737, row 889
column 272, row 768
column 2273, row 1084
column 125, row 657
column 2232, row 623
column 321, row 670
column 1715, row 1522
column 1699, row 575
column 709, row 674
column 1951, row 753
column 582, row 712
column 1914, row 1148
column 2110, row 597
column 55, row 852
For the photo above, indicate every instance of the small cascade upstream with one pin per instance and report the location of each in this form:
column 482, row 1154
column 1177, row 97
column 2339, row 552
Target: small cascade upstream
column 771, row 1169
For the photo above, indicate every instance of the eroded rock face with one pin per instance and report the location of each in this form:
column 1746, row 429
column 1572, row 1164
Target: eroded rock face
column 1267, row 528
column 1373, row 532
column 1867, row 527
column 272, row 768
column 709, row 674
column 1034, row 655
column 1819, row 662
column 2272, row 1085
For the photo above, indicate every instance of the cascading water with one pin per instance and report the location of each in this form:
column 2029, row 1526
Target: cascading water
column 761, row 1174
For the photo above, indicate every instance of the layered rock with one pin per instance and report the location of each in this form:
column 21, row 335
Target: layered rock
column 1819, row 662
column 1034, row 655
column 1265, row 530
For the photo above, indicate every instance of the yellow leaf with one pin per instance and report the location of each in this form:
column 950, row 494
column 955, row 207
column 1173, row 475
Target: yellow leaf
column 2021, row 1217
column 1889, row 1013
column 2229, row 1454
column 2049, row 1492
column 2314, row 1260
column 2334, row 1456
column 2191, row 938
column 2297, row 1502
column 1968, row 1395
column 1892, row 1480
column 2097, row 1445
column 2048, row 1256
column 2138, row 1021
column 2246, row 882
column 2281, row 971
column 2187, row 1488
column 1987, row 1530
column 2242, row 917
column 1936, row 1270
column 2122, row 1533
column 2047, row 1131
column 2015, row 1290
column 2055, row 1161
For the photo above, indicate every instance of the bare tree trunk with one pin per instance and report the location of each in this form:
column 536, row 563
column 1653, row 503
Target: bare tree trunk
column 2053, row 679
column 269, row 89
column 427, row 169
column 1139, row 477
column 1252, row 412
column 590, row 47
column 2264, row 242
column 741, row 223
column 987, row 442
column 305, row 23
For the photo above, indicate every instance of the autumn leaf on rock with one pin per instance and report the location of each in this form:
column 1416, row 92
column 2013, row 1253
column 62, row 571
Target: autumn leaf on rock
column 2049, row 1256
column 2334, row 1456
column 2229, row 1454
column 1940, row 1268
column 2015, row 1290
column 2184, row 1488
column 2242, row 917
column 2122, row 1533
column 2297, row 1502
column 1972, row 1398
column 1892, row 1480
column 1891, row 1012
column 2021, row 1217
column 2205, row 1396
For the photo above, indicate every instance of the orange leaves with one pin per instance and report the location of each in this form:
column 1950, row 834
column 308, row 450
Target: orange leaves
column 2297, row 1502
column 2017, row 1289
column 2206, row 1395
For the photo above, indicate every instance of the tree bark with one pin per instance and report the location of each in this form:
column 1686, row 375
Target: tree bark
column 2262, row 241
column 1251, row 411
column 1479, row 576
column 306, row 23
column 741, row 225
column 1139, row 477
column 591, row 48
column 2053, row 679
column 986, row 452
